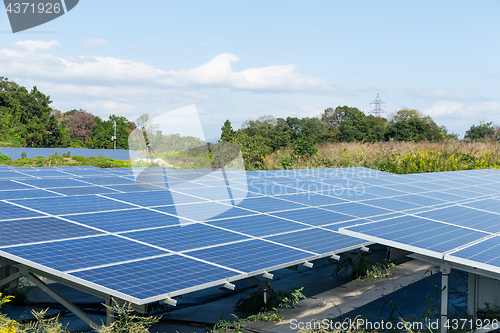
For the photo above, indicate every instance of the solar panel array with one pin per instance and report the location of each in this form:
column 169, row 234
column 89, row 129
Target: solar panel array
column 462, row 226
column 178, row 231
column 98, row 228
column 117, row 154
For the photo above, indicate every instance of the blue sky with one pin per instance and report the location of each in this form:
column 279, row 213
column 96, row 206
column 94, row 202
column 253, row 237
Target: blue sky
column 239, row 60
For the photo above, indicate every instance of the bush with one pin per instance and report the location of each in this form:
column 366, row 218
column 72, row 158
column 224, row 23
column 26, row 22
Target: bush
column 302, row 148
column 5, row 159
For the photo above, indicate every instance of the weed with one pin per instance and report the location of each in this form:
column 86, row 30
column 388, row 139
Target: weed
column 275, row 299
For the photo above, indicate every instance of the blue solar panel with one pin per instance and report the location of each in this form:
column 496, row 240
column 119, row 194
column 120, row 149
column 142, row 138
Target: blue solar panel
column 307, row 240
column 258, row 225
column 10, row 211
column 43, row 173
column 12, row 175
column 108, row 180
column 24, row 231
column 214, row 193
column 351, row 199
column 356, row 209
column 444, row 196
column 74, row 205
column 83, row 190
column 392, row 204
column 418, row 232
column 53, row 182
column 419, row 200
column 151, row 198
column 126, row 220
column 205, row 211
column 486, row 252
column 464, row 192
column 251, row 256
column 490, row 205
column 132, row 188
column 406, row 188
column 311, row 199
column 268, row 204
column 12, row 185
column 313, row 216
column 153, row 277
column 187, row 237
column 86, row 252
column 26, row 194
column 466, row 217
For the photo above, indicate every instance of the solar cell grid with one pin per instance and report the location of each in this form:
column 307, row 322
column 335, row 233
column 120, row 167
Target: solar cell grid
column 248, row 256
column 73, row 205
column 45, row 229
column 84, row 253
column 308, row 240
column 286, row 213
column 126, row 220
column 172, row 273
column 188, row 237
column 258, row 225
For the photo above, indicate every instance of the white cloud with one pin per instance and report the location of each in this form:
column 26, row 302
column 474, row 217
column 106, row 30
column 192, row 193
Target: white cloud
column 131, row 47
column 34, row 45
column 94, row 42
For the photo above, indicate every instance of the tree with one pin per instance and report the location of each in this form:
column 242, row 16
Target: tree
column 411, row 125
column 331, row 117
column 481, row 131
column 227, row 134
column 80, row 124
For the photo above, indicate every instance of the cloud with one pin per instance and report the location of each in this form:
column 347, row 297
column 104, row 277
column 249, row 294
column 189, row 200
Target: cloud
column 94, row 42
column 34, row 45
column 131, row 47
column 112, row 85
column 219, row 72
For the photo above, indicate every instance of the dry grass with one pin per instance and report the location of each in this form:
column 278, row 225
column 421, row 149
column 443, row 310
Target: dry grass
column 384, row 155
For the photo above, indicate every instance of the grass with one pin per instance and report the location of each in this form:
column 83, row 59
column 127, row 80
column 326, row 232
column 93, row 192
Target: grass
column 393, row 156
column 56, row 160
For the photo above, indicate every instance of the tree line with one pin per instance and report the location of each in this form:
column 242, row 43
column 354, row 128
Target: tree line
column 27, row 120
column 265, row 135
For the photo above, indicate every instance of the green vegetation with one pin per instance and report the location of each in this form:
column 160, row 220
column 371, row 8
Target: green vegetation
column 27, row 120
column 56, row 160
column 275, row 299
column 237, row 325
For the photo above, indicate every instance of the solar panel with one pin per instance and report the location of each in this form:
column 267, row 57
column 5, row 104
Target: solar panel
column 84, row 252
column 248, row 256
column 307, row 240
column 414, row 233
column 43, row 229
column 167, row 242
column 73, row 205
column 258, row 225
column 125, row 220
column 188, row 237
column 154, row 279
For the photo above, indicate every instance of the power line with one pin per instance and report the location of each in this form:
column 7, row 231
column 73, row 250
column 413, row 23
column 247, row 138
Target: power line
column 377, row 110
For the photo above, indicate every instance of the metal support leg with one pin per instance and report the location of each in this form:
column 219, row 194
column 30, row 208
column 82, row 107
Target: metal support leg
column 110, row 318
column 10, row 278
column 445, row 271
column 63, row 301
column 265, row 285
